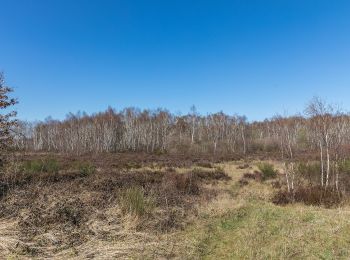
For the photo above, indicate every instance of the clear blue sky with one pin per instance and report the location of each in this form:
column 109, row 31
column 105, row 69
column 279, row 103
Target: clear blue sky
column 249, row 57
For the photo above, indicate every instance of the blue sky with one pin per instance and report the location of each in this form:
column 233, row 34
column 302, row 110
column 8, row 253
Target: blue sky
column 256, row 58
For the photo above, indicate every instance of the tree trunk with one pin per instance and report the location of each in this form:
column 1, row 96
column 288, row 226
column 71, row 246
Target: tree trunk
column 328, row 161
column 322, row 168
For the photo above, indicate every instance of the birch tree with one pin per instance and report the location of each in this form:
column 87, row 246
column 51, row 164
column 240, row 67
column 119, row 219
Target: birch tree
column 321, row 121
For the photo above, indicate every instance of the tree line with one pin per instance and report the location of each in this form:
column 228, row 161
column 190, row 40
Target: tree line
column 134, row 130
column 321, row 128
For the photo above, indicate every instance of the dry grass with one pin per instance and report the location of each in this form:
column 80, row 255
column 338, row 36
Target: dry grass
column 246, row 225
column 79, row 212
column 265, row 231
column 200, row 211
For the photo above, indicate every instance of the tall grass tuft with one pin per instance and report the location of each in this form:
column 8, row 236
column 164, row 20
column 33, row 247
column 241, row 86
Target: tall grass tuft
column 134, row 202
column 86, row 169
column 37, row 166
column 267, row 170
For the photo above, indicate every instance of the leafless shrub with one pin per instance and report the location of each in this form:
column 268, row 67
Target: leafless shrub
column 243, row 182
column 216, row 175
column 310, row 195
column 257, row 176
column 205, row 164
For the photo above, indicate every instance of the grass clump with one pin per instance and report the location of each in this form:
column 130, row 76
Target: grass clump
column 268, row 171
column 134, row 202
column 38, row 166
column 86, row 169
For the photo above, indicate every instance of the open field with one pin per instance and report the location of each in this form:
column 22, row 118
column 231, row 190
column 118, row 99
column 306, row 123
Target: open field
column 174, row 130
column 103, row 207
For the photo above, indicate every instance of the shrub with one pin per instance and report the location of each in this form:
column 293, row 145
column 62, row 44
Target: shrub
column 133, row 201
column 310, row 195
column 267, row 170
column 180, row 184
column 205, row 164
column 205, row 175
column 243, row 182
column 72, row 211
column 257, row 176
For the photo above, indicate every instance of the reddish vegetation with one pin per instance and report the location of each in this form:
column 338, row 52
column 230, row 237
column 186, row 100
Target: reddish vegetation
column 257, row 176
column 313, row 195
column 136, row 160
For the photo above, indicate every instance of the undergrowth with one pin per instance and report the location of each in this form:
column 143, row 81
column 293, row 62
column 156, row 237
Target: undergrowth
column 268, row 171
column 134, row 202
column 47, row 165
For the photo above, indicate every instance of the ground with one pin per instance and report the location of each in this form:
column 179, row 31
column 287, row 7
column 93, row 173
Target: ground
column 247, row 225
column 237, row 221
